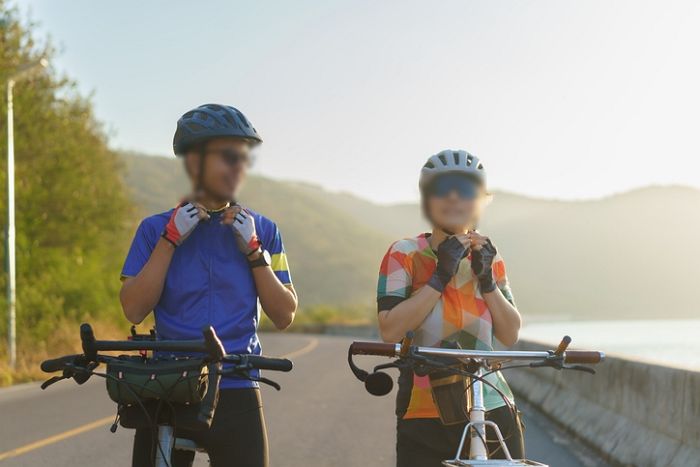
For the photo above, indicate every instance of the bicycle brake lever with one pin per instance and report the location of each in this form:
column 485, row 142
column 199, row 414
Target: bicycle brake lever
column 385, row 366
column 244, row 373
column 83, row 373
column 79, row 373
column 433, row 362
column 558, row 364
column 52, row 380
column 585, row 369
column 553, row 361
column 269, row 382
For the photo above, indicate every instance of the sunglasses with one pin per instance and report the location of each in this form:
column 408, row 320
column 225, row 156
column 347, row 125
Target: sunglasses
column 233, row 158
column 465, row 187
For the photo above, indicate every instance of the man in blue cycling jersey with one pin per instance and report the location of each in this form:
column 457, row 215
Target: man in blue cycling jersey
column 208, row 262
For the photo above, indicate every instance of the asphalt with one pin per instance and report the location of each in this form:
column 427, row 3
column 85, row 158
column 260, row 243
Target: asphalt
column 322, row 417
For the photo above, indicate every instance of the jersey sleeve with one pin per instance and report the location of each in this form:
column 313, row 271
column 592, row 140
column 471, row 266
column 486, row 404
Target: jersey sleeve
column 394, row 284
column 501, row 278
column 279, row 264
column 140, row 251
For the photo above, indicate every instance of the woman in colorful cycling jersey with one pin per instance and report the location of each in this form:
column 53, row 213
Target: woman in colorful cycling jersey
column 207, row 262
column 449, row 286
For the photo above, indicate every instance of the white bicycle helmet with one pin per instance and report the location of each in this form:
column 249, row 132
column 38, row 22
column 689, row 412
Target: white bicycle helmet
column 449, row 161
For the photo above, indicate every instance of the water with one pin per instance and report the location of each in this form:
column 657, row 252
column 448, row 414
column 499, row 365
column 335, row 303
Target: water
column 666, row 342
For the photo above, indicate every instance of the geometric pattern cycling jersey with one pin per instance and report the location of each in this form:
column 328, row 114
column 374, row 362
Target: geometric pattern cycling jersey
column 461, row 315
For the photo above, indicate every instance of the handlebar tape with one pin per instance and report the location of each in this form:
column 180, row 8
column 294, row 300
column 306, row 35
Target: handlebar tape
column 267, row 363
column 57, row 364
column 373, row 348
column 583, row 356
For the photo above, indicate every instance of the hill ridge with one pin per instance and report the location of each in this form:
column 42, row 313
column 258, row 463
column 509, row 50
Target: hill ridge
column 622, row 256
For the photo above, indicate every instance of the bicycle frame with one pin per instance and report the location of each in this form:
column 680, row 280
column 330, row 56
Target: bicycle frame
column 475, row 429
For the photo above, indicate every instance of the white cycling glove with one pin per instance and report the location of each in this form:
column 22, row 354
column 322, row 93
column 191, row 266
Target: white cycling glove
column 182, row 222
column 243, row 227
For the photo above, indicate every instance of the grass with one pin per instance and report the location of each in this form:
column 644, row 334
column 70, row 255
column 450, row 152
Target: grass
column 64, row 340
column 317, row 317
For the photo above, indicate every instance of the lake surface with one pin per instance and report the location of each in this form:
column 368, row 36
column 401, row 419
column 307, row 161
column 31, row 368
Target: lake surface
column 667, row 342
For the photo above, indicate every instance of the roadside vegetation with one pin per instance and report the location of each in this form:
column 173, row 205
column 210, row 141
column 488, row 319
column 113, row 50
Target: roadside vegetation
column 324, row 318
column 72, row 208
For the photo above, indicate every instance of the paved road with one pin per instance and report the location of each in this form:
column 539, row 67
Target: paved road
column 322, row 417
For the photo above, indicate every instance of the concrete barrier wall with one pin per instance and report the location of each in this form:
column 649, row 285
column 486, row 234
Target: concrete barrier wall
column 634, row 413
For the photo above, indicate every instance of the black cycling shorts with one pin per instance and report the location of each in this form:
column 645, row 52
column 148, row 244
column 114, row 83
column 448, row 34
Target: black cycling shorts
column 426, row 442
column 237, row 436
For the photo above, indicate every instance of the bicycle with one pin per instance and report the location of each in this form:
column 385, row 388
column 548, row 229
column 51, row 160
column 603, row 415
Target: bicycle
column 162, row 392
column 474, row 365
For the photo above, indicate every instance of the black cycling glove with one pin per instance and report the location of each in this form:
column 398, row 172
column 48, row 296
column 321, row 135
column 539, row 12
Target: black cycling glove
column 482, row 261
column 449, row 254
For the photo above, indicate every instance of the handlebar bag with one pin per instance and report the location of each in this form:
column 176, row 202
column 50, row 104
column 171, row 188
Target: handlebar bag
column 193, row 417
column 450, row 392
column 178, row 380
column 451, row 396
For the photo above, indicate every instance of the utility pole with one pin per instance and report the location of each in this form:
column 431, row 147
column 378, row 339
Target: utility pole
column 21, row 72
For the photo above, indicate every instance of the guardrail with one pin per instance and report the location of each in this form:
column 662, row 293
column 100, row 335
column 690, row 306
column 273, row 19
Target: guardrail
column 632, row 412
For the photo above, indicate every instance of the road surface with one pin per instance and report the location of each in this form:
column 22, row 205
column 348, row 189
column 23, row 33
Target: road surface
column 322, row 417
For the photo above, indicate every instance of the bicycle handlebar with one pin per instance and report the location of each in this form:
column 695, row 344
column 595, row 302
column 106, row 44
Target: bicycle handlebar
column 210, row 345
column 375, row 348
column 393, row 350
column 261, row 363
column 583, row 356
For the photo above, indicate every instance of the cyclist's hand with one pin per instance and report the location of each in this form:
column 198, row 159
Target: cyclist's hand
column 450, row 252
column 243, row 226
column 182, row 222
column 483, row 254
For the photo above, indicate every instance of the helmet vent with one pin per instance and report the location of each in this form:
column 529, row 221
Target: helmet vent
column 443, row 159
column 470, row 159
column 243, row 119
column 429, row 165
column 230, row 119
column 455, row 156
column 195, row 126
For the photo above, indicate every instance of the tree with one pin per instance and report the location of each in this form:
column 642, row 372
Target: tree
column 72, row 205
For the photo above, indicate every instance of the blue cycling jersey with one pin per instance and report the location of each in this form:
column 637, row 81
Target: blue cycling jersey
column 209, row 282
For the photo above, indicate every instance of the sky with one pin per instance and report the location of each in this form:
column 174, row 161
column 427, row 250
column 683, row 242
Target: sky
column 560, row 99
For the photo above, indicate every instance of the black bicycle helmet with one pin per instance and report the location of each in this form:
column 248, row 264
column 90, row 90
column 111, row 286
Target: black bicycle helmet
column 211, row 121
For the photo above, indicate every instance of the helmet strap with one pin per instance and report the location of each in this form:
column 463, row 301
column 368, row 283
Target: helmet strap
column 199, row 184
column 426, row 214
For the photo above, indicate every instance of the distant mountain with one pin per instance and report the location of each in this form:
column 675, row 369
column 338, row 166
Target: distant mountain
column 633, row 255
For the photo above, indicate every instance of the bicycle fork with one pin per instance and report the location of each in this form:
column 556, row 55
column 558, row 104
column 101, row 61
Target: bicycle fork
column 476, row 430
column 478, row 449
